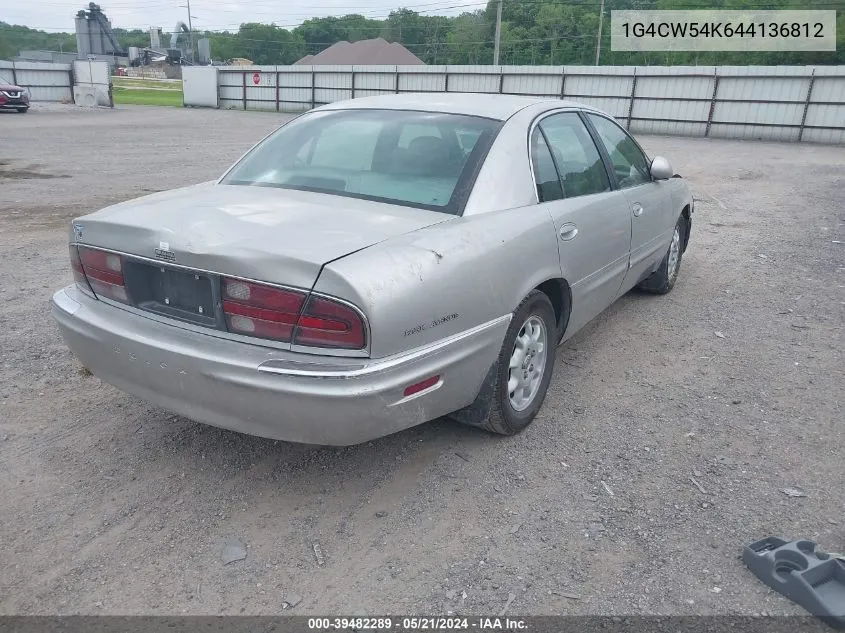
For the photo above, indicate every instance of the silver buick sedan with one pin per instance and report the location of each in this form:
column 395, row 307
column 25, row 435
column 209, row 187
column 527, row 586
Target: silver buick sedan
column 374, row 264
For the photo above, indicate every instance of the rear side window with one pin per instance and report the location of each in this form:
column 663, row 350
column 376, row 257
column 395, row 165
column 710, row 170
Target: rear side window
column 545, row 174
column 575, row 154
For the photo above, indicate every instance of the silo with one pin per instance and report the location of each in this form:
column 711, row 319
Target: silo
column 204, row 48
column 83, row 37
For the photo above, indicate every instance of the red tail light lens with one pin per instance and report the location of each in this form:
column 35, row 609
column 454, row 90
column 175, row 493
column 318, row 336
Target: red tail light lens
column 259, row 310
column 104, row 273
column 278, row 314
column 76, row 266
column 327, row 323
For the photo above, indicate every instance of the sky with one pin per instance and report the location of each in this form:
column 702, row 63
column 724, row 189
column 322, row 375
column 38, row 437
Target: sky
column 213, row 15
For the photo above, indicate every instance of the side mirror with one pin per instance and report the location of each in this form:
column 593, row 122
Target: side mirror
column 661, row 169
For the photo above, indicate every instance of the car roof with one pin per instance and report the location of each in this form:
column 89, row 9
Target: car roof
column 494, row 106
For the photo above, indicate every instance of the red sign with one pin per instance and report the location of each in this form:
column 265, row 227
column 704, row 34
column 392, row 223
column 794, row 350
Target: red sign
column 256, row 78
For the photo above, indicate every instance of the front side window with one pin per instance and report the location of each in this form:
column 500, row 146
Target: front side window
column 629, row 162
column 578, row 160
column 418, row 159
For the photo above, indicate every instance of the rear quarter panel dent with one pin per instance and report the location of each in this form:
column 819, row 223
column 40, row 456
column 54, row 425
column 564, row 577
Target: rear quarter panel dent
column 425, row 286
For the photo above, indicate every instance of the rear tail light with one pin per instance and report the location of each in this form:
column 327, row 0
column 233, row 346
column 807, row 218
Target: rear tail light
column 328, row 323
column 76, row 265
column 259, row 310
column 103, row 271
column 284, row 315
column 249, row 308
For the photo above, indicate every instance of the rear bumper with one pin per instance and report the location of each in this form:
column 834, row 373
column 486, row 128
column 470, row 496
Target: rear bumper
column 273, row 393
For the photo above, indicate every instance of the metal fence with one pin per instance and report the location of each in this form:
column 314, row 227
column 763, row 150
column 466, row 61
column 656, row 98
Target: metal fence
column 786, row 103
column 45, row 81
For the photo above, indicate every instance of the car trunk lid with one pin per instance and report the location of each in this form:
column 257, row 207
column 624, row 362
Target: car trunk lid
column 267, row 234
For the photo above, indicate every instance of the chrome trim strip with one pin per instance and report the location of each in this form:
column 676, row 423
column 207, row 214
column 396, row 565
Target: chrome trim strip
column 304, row 349
column 287, row 368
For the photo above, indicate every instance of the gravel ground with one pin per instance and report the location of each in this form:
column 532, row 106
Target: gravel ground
column 110, row 505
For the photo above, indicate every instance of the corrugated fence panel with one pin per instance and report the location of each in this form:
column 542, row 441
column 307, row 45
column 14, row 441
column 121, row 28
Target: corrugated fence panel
column 374, row 80
column 671, row 109
column 373, row 93
column 673, row 128
column 824, row 136
column 763, row 89
column 422, row 78
column 294, row 98
column 826, row 115
column 43, row 78
column 756, row 132
column 261, row 89
column 777, row 114
column 474, row 78
column 330, row 95
column 578, row 86
column 337, row 77
column 332, row 83
column 51, row 93
column 675, row 87
column 290, row 79
column 45, row 81
column 230, row 96
column 751, row 102
column 543, row 81
column 827, row 89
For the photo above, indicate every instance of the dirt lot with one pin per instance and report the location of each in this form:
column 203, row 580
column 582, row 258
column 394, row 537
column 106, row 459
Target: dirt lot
column 109, row 505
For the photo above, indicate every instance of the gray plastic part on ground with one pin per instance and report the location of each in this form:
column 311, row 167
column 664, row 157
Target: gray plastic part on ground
column 812, row 579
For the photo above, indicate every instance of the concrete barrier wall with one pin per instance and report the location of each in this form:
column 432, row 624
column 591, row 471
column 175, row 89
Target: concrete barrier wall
column 785, row 103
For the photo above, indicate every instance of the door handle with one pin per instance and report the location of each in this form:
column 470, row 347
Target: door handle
column 568, row 231
column 637, row 209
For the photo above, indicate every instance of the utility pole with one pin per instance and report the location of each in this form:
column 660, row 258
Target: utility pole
column 598, row 38
column 499, row 34
column 191, row 30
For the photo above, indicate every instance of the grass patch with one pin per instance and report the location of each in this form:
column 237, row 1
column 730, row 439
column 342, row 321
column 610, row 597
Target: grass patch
column 142, row 82
column 146, row 96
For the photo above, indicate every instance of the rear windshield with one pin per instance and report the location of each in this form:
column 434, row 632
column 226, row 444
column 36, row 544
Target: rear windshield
column 419, row 159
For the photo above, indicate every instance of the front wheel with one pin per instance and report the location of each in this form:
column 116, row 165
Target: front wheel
column 525, row 366
column 663, row 279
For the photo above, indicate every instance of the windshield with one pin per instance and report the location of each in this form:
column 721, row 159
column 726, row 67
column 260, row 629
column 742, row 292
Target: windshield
column 419, row 159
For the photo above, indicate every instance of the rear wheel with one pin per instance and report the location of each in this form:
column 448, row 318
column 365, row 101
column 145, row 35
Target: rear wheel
column 525, row 367
column 22, row 110
column 663, row 279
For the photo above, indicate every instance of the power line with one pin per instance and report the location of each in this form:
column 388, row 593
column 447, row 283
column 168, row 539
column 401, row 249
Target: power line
column 681, row 4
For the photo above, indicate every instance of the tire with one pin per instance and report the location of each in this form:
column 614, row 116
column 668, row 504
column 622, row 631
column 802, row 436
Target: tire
column 662, row 280
column 22, row 110
column 534, row 325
